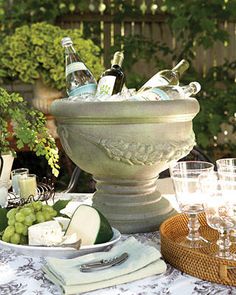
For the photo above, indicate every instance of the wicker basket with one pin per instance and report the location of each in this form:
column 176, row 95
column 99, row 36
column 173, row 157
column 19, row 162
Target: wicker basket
column 200, row 263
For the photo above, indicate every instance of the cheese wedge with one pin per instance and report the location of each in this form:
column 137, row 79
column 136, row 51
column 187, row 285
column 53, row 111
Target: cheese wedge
column 90, row 225
column 47, row 233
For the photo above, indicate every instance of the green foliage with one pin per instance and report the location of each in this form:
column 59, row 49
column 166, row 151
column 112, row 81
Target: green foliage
column 139, row 49
column 198, row 23
column 35, row 51
column 15, row 13
column 218, row 106
column 26, row 125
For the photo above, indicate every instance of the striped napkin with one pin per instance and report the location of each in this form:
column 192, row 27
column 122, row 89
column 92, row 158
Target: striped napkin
column 143, row 261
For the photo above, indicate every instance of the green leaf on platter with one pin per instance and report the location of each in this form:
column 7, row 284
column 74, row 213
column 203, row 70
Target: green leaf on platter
column 3, row 219
column 59, row 205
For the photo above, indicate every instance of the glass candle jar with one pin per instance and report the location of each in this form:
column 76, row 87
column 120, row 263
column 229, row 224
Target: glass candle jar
column 15, row 174
column 27, row 185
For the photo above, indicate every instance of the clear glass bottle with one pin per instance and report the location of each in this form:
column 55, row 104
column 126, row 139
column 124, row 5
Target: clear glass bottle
column 79, row 80
column 112, row 80
column 168, row 92
column 166, row 77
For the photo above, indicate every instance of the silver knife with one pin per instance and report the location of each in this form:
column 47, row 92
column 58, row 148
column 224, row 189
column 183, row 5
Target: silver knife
column 104, row 263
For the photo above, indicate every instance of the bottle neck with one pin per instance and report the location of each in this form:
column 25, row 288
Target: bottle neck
column 117, row 59
column 116, row 66
column 69, row 49
column 181, row 67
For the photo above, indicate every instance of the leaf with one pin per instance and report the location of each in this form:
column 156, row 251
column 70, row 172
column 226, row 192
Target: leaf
column 203, row 139
column 59, row 205
column 3, row 219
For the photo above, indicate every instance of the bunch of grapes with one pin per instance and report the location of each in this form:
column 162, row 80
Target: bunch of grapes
column 19, row 219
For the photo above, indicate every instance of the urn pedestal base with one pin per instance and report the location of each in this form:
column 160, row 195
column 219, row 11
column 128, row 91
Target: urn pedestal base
column 132, row 206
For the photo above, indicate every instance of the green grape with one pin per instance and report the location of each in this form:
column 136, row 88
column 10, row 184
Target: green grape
column 28, row 220
column 11, row 220
column 46, row 215
column 47, row 208
column 25, row 231
column 12, row 212
column 54, row 213
column 9, row 231
column 15, row 238
column 37, row 205
column 33, row 217
column 6, row 238
column 28, row 205
column 39, row 217
column 23, row 240
column 50, row 210
column 19, row 217
column 19, row 227
column 26, row 211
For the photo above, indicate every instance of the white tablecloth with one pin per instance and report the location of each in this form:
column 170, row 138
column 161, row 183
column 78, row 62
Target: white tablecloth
column 23, row 275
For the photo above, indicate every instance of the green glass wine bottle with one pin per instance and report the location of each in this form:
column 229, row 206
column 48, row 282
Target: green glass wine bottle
column 112, row 80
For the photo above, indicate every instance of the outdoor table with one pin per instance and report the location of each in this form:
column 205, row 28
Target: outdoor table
column 23, row 275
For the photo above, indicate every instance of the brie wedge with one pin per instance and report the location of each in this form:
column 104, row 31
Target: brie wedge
column 47, row 233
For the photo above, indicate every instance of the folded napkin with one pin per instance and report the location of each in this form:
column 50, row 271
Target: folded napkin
column 143, row 261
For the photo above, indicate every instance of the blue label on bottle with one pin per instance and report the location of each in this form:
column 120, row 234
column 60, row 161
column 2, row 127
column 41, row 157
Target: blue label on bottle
column 88, row 89
column 161, row 95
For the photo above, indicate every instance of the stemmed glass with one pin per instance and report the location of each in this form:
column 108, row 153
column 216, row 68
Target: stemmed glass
column 184, row 175
column 226, row 165
column 220, row 207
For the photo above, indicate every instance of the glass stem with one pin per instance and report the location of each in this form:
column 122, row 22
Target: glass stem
column 224, row 244
column 193, row 225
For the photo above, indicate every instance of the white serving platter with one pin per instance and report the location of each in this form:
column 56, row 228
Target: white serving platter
column 59, row 252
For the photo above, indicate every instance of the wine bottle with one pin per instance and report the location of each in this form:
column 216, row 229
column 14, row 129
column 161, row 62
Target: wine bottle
column 79, row 80
column 166, row 77
column 112, row 80
column 168, row 92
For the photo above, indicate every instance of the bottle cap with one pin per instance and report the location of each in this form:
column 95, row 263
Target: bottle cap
column 66, row 41
column 195, row 86
column 118, row 58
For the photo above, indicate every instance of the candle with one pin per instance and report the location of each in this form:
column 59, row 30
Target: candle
column 28, row 186
column 15, row 174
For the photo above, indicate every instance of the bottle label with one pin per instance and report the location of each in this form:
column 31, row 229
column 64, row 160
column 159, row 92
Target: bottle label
column 158, row 94
column 153, row 94
column 88, row 89
column 106, row 85
column 75, row 66
column 155, row 81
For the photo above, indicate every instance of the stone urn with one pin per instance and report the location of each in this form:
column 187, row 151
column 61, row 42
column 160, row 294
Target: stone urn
column 44, row 96
column 125, row 145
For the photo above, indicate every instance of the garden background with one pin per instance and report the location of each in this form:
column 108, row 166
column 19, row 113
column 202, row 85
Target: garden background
column 153, row 34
